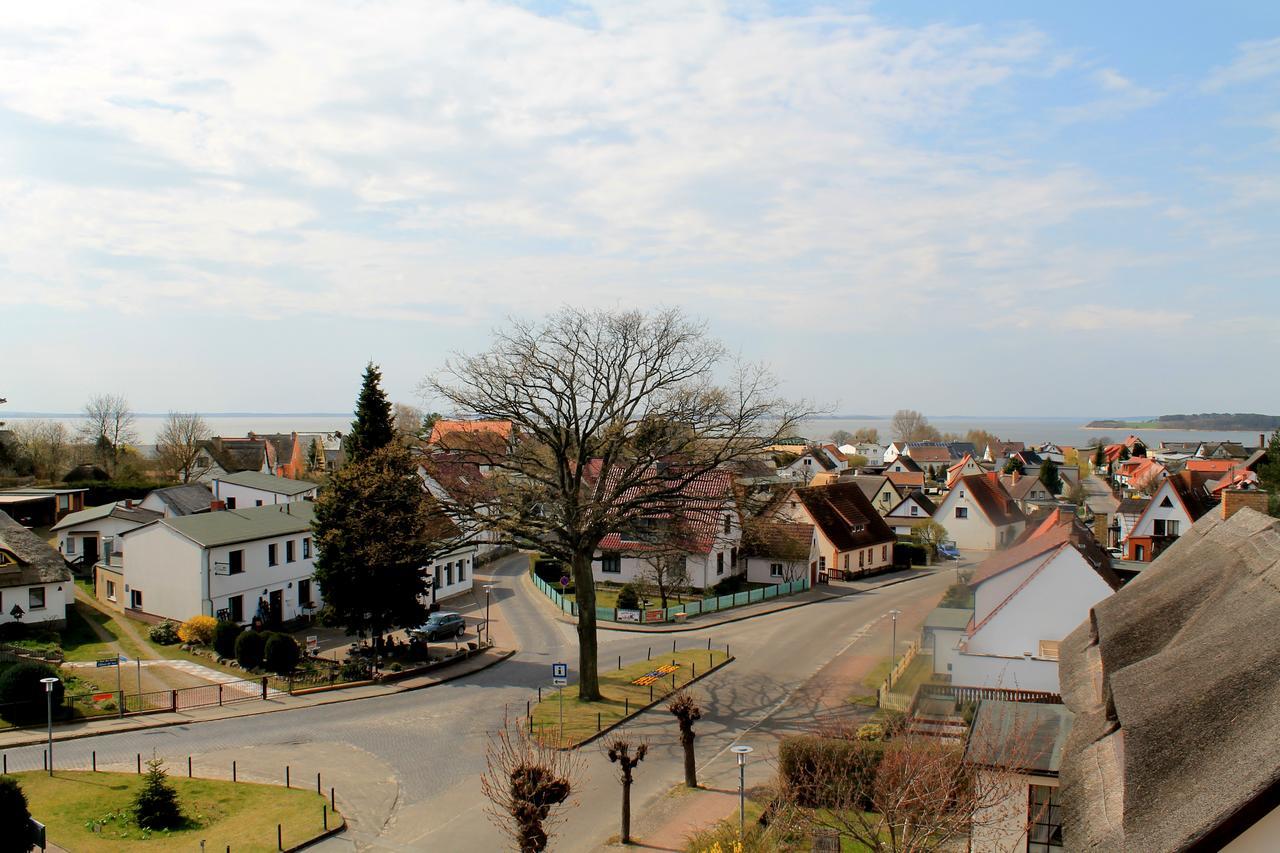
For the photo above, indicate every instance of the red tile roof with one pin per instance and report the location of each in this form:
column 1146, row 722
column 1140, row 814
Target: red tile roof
column 906, row 479
column 996, row 504
column 1212, row 466
column 929, row 455
column 845, row 516
column 697, row 513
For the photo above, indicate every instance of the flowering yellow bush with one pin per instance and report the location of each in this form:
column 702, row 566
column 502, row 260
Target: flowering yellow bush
column 197, row 629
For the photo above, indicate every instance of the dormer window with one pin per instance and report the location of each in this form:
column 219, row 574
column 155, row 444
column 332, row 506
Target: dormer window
column 7, row 560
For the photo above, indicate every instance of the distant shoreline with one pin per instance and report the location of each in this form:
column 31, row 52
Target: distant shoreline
column 1174, row 429
column 72, row 415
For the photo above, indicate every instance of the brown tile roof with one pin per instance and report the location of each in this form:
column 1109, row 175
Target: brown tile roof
column 845, row 516
column 905, row 479
column 784, row 539
column 996, row 504
column 929, row 455
column 693, row 524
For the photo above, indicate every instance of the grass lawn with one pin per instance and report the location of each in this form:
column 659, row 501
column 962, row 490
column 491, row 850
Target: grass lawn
column 241, row 814
column 917, row 672
column 607, row 596
column 619, row 694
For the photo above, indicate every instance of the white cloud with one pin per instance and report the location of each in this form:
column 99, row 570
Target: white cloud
column 1255, row 60
column 447, row 160
column 1119, row 96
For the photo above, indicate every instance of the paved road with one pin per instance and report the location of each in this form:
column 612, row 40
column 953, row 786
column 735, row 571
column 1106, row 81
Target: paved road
column 406, row 766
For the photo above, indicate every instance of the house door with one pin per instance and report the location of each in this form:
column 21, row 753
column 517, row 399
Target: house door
column 90, row 551
column 277, row 607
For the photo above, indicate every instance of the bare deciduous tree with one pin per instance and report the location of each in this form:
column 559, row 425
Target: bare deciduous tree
column 615, row 414
column 527, row 785
column 109, row 427
column 686, row 711
column 44, row 446
column 407, row 421
column 910, row 425
column 666, row 574
column 626, row 753
column 178, row 445
column 919, row 795
column 929, row 536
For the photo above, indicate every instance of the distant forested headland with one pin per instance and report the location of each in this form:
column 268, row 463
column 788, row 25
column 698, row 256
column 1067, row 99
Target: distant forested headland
column 1210, row 420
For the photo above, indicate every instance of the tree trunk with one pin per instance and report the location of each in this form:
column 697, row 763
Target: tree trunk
column 690, row 765
column 585, row 594
column 626, row 809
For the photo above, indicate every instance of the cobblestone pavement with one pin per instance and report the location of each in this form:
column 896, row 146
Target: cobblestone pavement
column 405, row 766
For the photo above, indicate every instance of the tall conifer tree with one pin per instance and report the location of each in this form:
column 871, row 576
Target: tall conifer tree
column 372, row 429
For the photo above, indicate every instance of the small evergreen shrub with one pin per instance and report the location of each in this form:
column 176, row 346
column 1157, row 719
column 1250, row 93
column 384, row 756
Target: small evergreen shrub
column 281, row 653
column 224, row 638
column 250, row 647
column 156, row 806
column 628, row 598
column 22, row 696
column 15, row 816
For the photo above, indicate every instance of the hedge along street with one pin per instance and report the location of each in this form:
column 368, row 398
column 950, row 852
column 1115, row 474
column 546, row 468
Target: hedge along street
column 625, row 691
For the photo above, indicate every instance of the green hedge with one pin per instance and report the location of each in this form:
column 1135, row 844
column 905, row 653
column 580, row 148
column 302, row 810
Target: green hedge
column 830, row 772
column 105, row 491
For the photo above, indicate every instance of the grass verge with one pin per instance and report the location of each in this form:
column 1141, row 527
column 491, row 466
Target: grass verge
column 620, row 696
column 88, row 812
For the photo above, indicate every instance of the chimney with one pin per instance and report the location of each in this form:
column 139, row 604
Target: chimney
column 1234, row 500
column 128, row 503
column 217, row 506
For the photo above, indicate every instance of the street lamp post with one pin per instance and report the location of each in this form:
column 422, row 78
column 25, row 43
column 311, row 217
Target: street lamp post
column 742, row 751
column 893, row 649
column 488, row 588
column 48, row 699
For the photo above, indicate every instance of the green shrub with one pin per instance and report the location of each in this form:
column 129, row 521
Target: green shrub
column 224, row 638
column 166, row 633
column 628, row 598
column 22, row 696
column 829, row 772
column 15, row 815
column 250, row 647
column 281, row 653
column 156, row 806
column 550, row 571
column 731, row 585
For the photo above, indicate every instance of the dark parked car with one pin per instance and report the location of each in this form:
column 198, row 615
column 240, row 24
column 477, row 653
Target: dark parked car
column 439, row 626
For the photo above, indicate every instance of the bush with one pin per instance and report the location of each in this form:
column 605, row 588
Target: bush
column 156, row 806
column 198, row 629
column 731, row 585
column 224, row 638
column 21, row 693
column 14, row 814
column 281, row 653
column 550, row 571
column 829, row 772
column 628, row 598
column 250, row 647
column 166, row 633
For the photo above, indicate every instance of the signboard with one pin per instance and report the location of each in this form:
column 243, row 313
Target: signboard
column 313, row 642
column 107, row 662
column 564, row 582
column 628, row 615
column 559, row 682
column 103, row 697
column 559, row 670
column 655, row 615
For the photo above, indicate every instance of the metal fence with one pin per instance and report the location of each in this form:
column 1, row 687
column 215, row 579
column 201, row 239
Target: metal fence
column 689, row 608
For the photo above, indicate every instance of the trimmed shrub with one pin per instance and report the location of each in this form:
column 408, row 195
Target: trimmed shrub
column 15, row 816
column 628, row 598
column 166, row 633
column 830, row 772
column 224, row 638
column 731, row 585
column 198, row 629
column 156, row 806
column 21, row 693
column 250, row 647
column 281, row 653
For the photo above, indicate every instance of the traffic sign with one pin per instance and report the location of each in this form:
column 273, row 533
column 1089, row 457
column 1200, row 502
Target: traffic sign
column 108, row 662
column 559, row 682
column 564, row 581
column 559, row 670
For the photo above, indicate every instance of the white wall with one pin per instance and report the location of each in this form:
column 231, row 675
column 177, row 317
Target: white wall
column 1002, row 826
column 101, row 528
column 760, row 570
column 259, row 580
column 453, row 572
column 972, row 670
column 945, row 641
column 1176, row 512
column 166, row 568
column 701, row 569
column 1262, row 837
column 975, row 532
column 56, row 597
column 247, row 496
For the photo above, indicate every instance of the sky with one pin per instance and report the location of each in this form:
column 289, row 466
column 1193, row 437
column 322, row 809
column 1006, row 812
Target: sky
column 984, row 208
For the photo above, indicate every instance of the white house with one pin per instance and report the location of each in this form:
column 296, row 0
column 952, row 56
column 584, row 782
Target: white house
column 91, row 533
column 1026, row 600
column 253, row 488
column 869, row 450
column 173, row 501
column 909, row 513
column 776, row 552
column 35, row 582
column 979, row 514
column 234, row 564
column 709, row 537
column 448, row 478
column 1179, row 502
column 815, row 460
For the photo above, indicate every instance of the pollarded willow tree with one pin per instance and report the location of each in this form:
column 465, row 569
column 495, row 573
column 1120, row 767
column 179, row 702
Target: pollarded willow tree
column 615, row 415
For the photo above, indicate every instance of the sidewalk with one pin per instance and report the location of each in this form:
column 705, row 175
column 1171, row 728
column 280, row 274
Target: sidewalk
column 12, row 738
column 822, row 592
